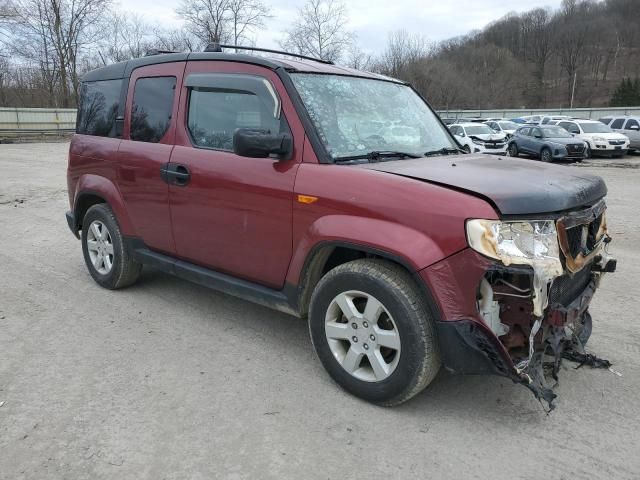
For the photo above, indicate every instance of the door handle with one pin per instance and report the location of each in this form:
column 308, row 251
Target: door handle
column 181, row 175
column 175, row 174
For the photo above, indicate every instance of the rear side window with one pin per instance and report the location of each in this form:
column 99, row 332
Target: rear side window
column 617, row 123
column 631, row 123
column 98, row 108
column 219, row 105
column 546, row 120
column 605, row 120
column 151, row 108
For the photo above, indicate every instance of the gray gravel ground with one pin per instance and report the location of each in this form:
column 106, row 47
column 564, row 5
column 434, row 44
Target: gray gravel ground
column 170, row 380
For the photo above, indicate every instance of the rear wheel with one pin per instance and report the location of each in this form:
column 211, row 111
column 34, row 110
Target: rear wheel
column 109, row 261
column 545, row 155
column 513, row 150
column 373, row 332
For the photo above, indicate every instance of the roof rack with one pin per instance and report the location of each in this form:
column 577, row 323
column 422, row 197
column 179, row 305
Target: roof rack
column 155, row 51
column 217, row 47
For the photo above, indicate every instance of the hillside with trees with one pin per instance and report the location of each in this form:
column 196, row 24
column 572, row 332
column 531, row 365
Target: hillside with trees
column 587, row 49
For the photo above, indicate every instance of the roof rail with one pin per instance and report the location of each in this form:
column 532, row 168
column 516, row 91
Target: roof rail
column 155, row 51
column 217, row 47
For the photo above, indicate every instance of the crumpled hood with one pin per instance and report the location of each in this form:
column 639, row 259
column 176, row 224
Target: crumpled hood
column 513, row 186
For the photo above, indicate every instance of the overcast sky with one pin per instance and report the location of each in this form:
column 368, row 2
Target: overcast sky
column 371, row 20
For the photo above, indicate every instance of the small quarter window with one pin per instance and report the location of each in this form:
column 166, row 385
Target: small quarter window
column 151, row 108
column 98, row 108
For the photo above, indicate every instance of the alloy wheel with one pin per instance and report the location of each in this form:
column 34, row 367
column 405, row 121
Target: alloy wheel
column 100, row 247
column 362, row 336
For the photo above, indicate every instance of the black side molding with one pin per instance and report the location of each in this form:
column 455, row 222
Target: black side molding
column 281, row 300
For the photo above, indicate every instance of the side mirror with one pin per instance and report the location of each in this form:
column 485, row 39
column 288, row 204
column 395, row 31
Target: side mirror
column 259, row 143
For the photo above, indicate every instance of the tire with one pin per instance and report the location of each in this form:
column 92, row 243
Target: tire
column 587, row 153
column 545, row 155
column 117, row 268
column 466, row 148
column 404, row 320
column 513, row 150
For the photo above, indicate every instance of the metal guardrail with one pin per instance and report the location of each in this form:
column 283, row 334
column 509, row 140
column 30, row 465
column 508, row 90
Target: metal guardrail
column 594, row 113
column 36, row 121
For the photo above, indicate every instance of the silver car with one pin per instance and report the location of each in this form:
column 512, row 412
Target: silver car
column 627, row 125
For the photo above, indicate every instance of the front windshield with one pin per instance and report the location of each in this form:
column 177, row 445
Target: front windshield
column 356, row 115
column 555, row 132
column 478, row 130
column 595, row 127
column 508, row 125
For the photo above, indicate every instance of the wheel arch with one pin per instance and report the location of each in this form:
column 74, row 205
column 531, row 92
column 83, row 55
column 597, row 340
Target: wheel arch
column 327, row 255
column 95, row 189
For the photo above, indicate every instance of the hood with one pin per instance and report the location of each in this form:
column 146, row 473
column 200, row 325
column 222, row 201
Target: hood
column 608, row 135
column 513, row 186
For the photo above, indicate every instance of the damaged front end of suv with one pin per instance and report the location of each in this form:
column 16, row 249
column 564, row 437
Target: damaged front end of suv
column 534, row 281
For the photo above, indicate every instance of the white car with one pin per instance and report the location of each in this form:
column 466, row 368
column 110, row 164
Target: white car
column 503, row 126
column 629, row 126
column 600, row 139
column 479, row 138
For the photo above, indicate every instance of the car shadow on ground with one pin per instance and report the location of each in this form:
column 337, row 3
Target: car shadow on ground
column 482, row 395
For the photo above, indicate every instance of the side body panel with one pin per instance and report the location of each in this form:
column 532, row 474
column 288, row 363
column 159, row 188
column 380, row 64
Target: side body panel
column 413, row 221
column 138, row 168
column 235, row 215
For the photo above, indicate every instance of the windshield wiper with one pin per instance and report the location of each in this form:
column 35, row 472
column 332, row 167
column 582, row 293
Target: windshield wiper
column 375, row 156
column 443, row 151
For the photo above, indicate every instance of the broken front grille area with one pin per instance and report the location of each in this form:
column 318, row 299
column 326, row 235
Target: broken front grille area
column 567, row 288
column 582, row 239
column 580, row 234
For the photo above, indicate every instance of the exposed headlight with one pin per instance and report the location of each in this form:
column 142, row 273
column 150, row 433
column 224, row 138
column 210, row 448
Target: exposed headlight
column 521, row 243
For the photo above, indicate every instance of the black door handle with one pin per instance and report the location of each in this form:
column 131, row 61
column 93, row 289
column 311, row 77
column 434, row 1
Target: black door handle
column 175, row 174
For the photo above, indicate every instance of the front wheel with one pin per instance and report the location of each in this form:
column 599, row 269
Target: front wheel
column 545, row 155
column 373, row 332
column 513, row 150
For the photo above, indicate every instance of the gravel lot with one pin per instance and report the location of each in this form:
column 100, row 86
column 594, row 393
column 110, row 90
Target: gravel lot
column 171, row 380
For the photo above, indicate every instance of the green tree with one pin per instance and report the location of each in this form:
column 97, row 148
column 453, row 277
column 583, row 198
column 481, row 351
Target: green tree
column 626, row 94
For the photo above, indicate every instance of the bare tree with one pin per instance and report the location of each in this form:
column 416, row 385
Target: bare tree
column 358, row 59
column 54, row 34
column 247, row 16
column 403, row 49
column 321, row 30
column 223, row 20
column 208, row 20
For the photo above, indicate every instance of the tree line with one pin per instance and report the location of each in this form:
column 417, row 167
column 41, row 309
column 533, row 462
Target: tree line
column 583, row 53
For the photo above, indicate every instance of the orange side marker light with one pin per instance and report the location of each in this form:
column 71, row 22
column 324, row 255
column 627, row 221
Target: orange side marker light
column 307, row 199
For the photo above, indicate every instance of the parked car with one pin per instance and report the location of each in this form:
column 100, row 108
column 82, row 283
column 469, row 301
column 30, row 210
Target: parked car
column 503, row 126
column 532, row 119
column 448, row 120
column 600, row 139
column 479, row 138
column 629, row 126
column 251, row 175
column 553, row 119
column 548, row 143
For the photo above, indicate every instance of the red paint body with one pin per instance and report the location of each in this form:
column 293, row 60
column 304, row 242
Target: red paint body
column 240, row 216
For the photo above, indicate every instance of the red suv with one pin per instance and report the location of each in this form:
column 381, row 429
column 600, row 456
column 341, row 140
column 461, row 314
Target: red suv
column 338, row 196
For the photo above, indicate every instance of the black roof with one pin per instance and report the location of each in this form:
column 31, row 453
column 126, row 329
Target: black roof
column 124, row 69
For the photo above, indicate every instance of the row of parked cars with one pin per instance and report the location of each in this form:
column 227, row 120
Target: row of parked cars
column 548, row 137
